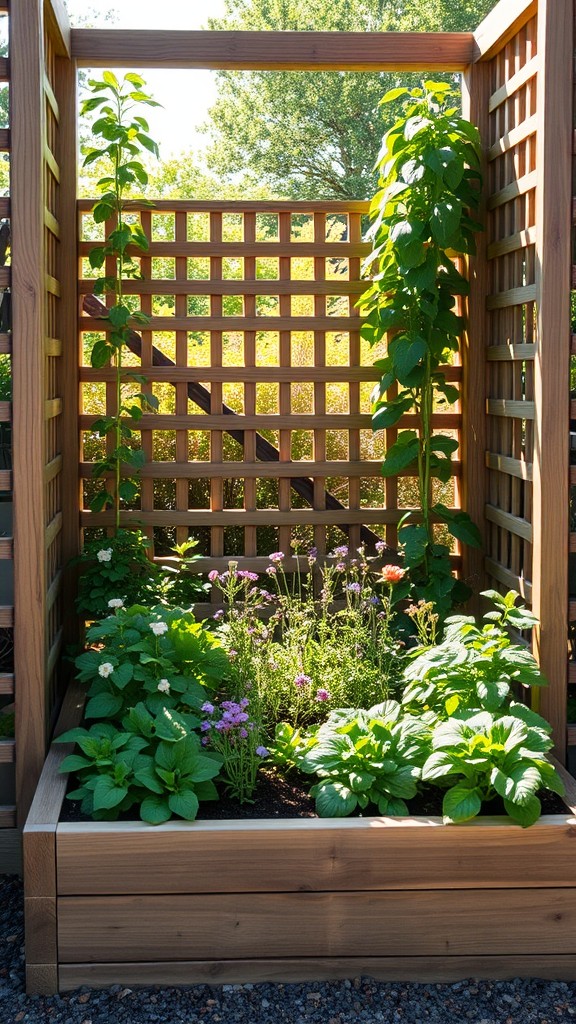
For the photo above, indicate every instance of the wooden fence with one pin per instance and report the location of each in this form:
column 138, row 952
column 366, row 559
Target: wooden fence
column 254, row 344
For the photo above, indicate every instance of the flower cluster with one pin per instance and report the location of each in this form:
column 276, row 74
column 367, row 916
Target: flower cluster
column 233, row 733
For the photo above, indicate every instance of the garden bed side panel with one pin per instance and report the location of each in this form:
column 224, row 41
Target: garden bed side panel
column 312, row 900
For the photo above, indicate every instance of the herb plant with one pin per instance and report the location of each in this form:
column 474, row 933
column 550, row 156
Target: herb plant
column 124, row 137
column 429, row 183
column 230, row 730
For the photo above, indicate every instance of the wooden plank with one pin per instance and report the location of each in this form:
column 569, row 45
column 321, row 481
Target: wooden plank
column 240, row 248
column 259, row 374
column 51, row 98
column 7, row 621
column 7, row 821
column 53, row 529
column 6, row 548
column 303, row 924
column 510, row 408
column 28, row 204
column 243, row 518
column 4, row 69
column 51, row 223
column 241, row 205
column 7, row 751
column 512, row 243
column 41, row 932
column 513, row 84
column 6, row 684
column 256, row 470
column 52, row 408
column 510, row 353
column 58, row 27
column 569, row 783
column 235, row 323
column 551, row 369
column 129, row 858
column 53, row 468
column 514, row 137
column 514, row 467
column 51, row 161
column 229, row 287
column 509, row 579
column 255, row 563
column 5, row 277
column 274, row 51
column 5, row 147
column 422, row 970
column 512, row 297
column 332, row 421
column 504, row 22
column 5, row 412
column 5, row 344
column 41, row 979
column 513, row 524
column 510, row 192
column 5, row 480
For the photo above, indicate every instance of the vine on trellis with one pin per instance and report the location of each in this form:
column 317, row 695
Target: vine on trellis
column 421, row 220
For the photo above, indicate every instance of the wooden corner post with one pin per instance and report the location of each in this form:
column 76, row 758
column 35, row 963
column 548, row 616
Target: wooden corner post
column 27, row 225
column 552, row 365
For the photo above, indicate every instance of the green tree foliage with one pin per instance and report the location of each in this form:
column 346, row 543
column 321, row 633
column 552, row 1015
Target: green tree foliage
column 312, row 135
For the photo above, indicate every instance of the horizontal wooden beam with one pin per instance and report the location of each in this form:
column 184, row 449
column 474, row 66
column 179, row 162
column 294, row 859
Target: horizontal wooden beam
column 251, row 374
column 335, row 421
column 259, row 470
column 295, row 206
column 501, row 25
column 511, row 467
column 274, row 51
column 509, row 579
column 168, row 286
column 6, row 684
column 513, row 84
column 264, row 250
column 236, row 323
column 257, row 517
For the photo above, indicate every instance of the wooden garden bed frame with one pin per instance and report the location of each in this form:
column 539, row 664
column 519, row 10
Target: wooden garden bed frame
column 292, row 900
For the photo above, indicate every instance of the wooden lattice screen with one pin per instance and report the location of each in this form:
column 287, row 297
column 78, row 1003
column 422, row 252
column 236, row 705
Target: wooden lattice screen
column 520, row 306
column 43, row 183
column 269, row 433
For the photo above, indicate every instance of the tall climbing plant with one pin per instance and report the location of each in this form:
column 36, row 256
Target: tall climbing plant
column 421, row 219
column 124, row 138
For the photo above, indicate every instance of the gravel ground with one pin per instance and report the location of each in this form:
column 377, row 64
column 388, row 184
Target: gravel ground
column 357, row 1001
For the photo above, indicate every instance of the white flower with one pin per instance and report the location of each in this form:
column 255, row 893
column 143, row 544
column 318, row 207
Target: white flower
column 164, row 686
column 104, row 555
column 116, row 602
column 105, row 669
column 158, row 628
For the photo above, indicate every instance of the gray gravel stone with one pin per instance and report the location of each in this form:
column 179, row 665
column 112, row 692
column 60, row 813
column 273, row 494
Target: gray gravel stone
column 354, row 1001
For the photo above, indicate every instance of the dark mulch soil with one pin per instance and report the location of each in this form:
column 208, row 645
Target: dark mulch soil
column 278, row 796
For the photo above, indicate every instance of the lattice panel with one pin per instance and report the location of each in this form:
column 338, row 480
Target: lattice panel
column 254, row 350
column 512, row 311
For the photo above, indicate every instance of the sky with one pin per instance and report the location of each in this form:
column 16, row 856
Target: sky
column 194, row 91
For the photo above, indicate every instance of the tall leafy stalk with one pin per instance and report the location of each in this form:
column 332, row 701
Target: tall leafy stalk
column 421, row 220
column 125, row 138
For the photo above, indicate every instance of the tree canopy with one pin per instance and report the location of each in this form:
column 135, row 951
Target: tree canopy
column 315, row 134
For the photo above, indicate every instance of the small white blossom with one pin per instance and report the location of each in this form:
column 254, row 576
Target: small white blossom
column 159, row 628
column 116, row 602
column 105, row 669
column 104, row 555
column 164, row 686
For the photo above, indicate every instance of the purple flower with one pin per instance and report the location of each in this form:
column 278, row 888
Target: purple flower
column 340, row 552
column 355, row 588
column 213, row 575
column 244, row 702
column 205, row 726
column 262, row 752
column 232, row 654
column 245, row 575
column 380, row 547
column 218, row 615
column 322, row 695
column 277, row 557
column 208, row 708
column 341, row 567
column 243, row 734
column 223, row 726
column 301, row 681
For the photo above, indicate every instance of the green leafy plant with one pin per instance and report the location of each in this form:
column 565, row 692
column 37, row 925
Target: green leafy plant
column 492, row 756
column 429, row 183
column 475, row 666
column 124, row 137
column 148, row 674
column 230, row 730
column 115, row 568
column 361, row 758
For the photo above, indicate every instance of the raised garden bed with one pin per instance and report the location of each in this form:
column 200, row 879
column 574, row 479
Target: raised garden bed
column 293, row 899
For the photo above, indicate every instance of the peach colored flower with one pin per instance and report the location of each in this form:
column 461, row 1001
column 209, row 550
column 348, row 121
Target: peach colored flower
column 393, row 573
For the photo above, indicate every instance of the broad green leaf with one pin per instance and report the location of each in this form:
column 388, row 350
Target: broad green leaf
column 184, row 803
column 334, row 800
column 104, row 705
column 107, row 794
column 524, row 814
column 155, row 810
column 461, row 804
column 401, row 454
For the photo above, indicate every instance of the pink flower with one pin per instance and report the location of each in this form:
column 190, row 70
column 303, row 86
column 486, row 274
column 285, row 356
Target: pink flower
column 393, row 573
column 276, row 556
column 301, row 681
column 322, row 695
column 213, row 575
